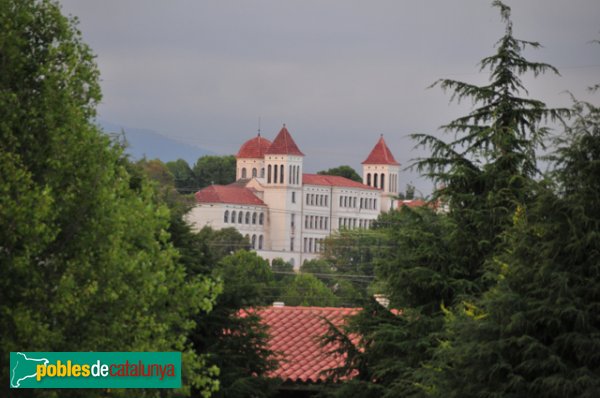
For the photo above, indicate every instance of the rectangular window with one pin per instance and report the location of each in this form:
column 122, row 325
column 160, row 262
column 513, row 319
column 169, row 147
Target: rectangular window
column 293, row 197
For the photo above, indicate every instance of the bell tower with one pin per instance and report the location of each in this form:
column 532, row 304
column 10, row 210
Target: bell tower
column 381, row 171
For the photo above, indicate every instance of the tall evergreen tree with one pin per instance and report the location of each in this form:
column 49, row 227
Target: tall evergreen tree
column 441, row 260
column 537, row 333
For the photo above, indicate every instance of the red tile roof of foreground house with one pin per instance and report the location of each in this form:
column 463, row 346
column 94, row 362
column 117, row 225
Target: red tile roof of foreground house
column 254, row 148
column 233, row 194
column 295, row 333
column 284, row 144
column 381, row 154
column 332, row 181
column 413, row 202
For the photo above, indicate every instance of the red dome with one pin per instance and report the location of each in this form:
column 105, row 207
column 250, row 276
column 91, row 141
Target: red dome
column 254, row 148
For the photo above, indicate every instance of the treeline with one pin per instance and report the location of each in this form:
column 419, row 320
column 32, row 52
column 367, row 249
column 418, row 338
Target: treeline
column 207, row 170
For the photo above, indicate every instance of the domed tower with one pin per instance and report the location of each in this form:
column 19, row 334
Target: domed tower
column 381, row 170
column 283, row 190
column 251, row 158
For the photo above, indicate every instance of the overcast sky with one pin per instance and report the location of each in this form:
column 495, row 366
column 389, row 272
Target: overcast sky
column 338, row 72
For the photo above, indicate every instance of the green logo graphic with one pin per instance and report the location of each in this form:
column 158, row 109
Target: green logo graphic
column 23, row 368
column 95, row 369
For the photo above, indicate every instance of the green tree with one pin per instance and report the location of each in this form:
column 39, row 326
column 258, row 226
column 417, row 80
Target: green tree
column 85, row 261
column 307, row 290
column 342, row 171
column 232, row 334
column 282, row 270
column 537, row 332
column 351, row 256
column 185, row 180
column 441, row 259
column 219, row 170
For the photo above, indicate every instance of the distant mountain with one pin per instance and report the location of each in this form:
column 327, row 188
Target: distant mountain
column 153, row 145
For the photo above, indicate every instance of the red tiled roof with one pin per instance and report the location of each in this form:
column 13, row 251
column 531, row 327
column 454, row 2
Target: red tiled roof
column 413, row 203
column 254, row 148
column 381, row 154
column 284, row 144
column 233, row 194
column 333, row 181
column 295, row 333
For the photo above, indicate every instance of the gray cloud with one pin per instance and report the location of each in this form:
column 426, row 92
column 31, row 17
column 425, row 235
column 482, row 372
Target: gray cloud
column 339, row 72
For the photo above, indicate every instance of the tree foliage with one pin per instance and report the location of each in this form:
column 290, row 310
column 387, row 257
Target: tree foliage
column 232, row 334
column 342, row 171
column 184, row 177
column 307, row 290
column 85, row 260
column 219, row 170
column 443, row 261
column 537, row 332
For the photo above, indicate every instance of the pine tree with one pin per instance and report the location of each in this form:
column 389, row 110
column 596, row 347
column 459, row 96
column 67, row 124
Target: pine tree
column 537, row 333
column 442, row 259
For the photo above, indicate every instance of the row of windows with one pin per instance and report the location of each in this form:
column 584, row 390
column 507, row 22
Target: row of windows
column 243, row 218
column 275, row 174
column 254, row 172
column 378, row 180
column 256, row 244
column 316, row 222
column 352, row 202
column 313, row 199
column 313, row 245
column 354, row 223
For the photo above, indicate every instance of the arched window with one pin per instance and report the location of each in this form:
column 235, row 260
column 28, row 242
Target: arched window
column 226, row 217
column 375, row 204
column 375, row 180
column 290, row 174
column 262, row 172
column 369, row 179
column 243, row 172
column 240, row 217
column 247, row 217
column 254, row 241
column 281, row 174
column 269, row 174
column 254, row 172
column 233, row 217
column 382, row 181
column 260, row 242
column 254, row 218
column 261, row 218
column 275, row 168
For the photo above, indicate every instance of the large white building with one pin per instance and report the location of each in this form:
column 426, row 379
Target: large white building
column 286, row 213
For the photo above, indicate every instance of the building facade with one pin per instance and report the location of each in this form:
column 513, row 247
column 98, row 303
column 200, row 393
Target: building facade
column 286, row 213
